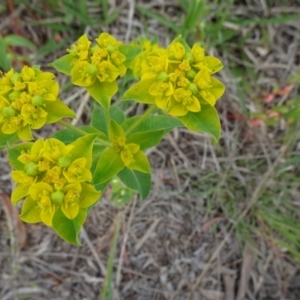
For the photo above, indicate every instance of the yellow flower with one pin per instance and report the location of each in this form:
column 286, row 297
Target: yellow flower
column 182, row 102
column 84, row 74
column 176, row 51
column 127, row 153
column 77, row 171
column 14, row 124
column 107, row 72
column 162, row 92
column 201, row 62
column 153, row 66
column 41, row 193
column 34, row 116
column 198, row 53
column 53, row 177
column 148, row 48
column 55, row 149
column 28, row 101
column 106, row 40
column 27, row 74
column 24, row 182
column 80, row 50
column 210, row 89
column 33, row 153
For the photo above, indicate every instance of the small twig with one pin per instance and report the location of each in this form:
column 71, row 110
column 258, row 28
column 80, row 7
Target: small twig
column 245, row 273
column 79, row 111
column 93, row 250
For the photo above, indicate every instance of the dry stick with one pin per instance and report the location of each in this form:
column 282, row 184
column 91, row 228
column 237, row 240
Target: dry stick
column 248, row 260
column 93, row 250
column 229, row 287
column 79, row 111
column 253, row 200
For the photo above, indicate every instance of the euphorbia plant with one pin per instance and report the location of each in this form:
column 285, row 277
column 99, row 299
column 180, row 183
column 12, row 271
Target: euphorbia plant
column 59, row 179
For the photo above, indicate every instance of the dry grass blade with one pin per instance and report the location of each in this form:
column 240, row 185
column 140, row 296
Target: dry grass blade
column 248, row 260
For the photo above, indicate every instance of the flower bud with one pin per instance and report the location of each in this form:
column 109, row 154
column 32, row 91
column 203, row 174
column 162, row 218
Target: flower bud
column 31, row 168
column 91, row 69
column 14, row 95
column 110, row 48
column 190, row 74
column 57, row 197
column 193, row 88
column 8, row 112
column 162, row 76
column 37, row 100
column 15, row 77
column 64, row 161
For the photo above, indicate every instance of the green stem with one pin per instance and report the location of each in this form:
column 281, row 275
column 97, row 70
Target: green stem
column 107, row 287
column 141, row 119
column 74, row 128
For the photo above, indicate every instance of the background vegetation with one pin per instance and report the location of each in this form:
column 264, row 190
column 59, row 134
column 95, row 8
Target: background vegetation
column 222, row 221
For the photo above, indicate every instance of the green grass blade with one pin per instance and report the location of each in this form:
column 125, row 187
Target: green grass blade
column 107, row 288
column 162, row 20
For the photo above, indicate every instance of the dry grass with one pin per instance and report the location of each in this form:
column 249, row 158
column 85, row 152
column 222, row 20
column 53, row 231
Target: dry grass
column 201, row 233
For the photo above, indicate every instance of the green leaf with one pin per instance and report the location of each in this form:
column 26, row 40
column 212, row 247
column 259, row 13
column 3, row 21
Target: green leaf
column 30, row 212
column 117, row 114
column 15, row 152
column 83, row 147
column 217, row 88
column 109, row 164
column 90, row 129
column 214, row 63
column 141, row 163
column 146, row 139
column 16, row 40
column 207, row 120
column 115, row 130
column 101, row 187
column 57, row 110
column 19, row 192
column 102, row 92
column 7, row 138
column 138, row 181
column 5, row 63
column 130, row 52
column 68, row 229
column 99, row 119
column 67, row 136
column 140, row 92
column 63, row 64
column 152, row 123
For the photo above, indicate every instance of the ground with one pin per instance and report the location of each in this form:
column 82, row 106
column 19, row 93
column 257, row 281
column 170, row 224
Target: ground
column 222, row 219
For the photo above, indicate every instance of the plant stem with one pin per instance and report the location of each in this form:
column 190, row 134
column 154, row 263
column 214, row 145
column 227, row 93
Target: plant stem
column 107, row 287
column 141, row 119
column 75, row 129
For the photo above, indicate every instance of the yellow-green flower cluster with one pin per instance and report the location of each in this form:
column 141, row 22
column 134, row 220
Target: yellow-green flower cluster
column 53, row 176
column 102, row 61
column 178, row 79
column 28, row 100
column 148, row 47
